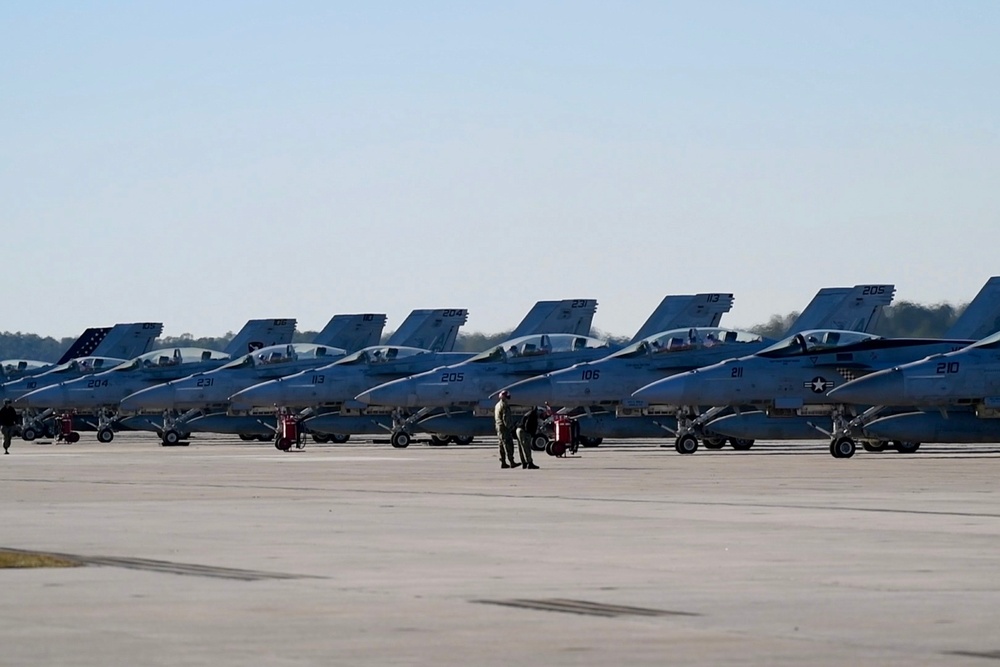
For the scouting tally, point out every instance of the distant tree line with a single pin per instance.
(898, 320)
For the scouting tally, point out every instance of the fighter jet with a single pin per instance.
(326, 396)
(100, 393)
(957, 396)
(773, 380)
(205, 396)
(466, 388)
(790, 378)
(598, 394)
(104, 348)
(122, 341)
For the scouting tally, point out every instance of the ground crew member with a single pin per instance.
(526, 431)
(501, 415)
(8, 421)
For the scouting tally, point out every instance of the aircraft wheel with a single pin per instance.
(400, 439)
(321, 438)
(29, 434)
(73, 436)
(340, 438)
(171, 438)
(540, 442)
(714, 442)
(105, 435)
(741, 444)
(686, 444)
(905, 447)
(875, 446)
(842, 448)
(440, 440)
(247, 438)
(462, 439)
(590, 442)
(553, 448)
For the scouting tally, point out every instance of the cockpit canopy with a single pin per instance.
(695, 338)
(815, 341)
(21, 365)
(172, 357)
(85, 365)
(536, 345)
(378, 354)
(282, 354)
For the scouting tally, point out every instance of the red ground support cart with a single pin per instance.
(289, 433)
(66, 432)
(564, 436)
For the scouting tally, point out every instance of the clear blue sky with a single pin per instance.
(202, 163)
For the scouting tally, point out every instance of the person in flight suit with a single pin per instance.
(502, 418)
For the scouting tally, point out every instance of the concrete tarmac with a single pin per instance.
(228, 553)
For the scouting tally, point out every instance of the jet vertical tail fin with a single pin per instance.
(855, 308)
(85, 345)
(127, 341)
(432, 329)
(982, 316)
(352, 332)
(572, 316)
(679, 311)
(256, 334)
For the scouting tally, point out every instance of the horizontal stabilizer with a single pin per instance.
(256, 334)
(352, 332)
(432, 329)
(572, 316)
(681, 311)
(982, 316)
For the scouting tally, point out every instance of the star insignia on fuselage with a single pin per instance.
(819, 385)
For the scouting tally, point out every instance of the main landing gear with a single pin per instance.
(687, 443)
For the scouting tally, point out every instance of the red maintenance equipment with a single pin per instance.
(289, 432)
(66, 432)
(564, 436)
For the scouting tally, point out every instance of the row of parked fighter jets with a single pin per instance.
(682, 375)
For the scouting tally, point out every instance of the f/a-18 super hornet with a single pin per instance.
(786, 385)
(205, 397)
(461, 393)
(952, 397)
(325, 397)
(122, 341)
(100, 393)
(598, 394)
(207, 393)
(98, 350)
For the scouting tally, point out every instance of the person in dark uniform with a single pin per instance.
(8, 422)
(526, 431)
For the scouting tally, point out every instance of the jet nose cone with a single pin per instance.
(536, 391)
(159, 397)
(53, 396)
(882, 388)
(262, 395)
(669, 391)
(394, 394)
